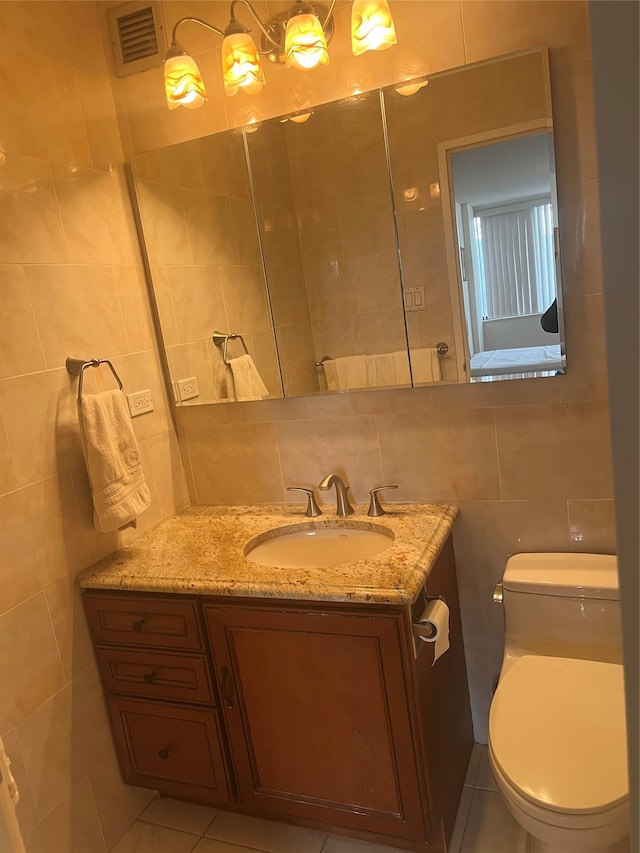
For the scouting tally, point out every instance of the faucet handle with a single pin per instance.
(313, 509)
(375, 509)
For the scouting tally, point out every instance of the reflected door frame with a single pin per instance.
(445, 150)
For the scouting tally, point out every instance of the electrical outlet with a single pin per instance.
(188, 388)
(140, 402)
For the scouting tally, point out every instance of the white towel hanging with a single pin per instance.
(119, 489)
(246, 381)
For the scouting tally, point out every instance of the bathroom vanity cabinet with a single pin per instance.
(326, 714)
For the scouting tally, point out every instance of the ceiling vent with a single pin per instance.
(137, 37)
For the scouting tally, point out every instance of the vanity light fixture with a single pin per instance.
(241, 66)
(183, 83)
(300, 118)
(297, 38)
(410, 88)
(371, 26)
(297, 118)
(305, 44)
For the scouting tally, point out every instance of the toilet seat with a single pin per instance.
(557, 737)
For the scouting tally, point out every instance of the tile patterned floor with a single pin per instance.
(168, 826)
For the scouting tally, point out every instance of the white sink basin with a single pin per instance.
(307, 547)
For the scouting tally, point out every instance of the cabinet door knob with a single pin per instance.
(164, 753)
(225, 693)
(137, 624)
(149, 677)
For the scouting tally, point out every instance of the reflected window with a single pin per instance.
(516, 267)
(506, 216)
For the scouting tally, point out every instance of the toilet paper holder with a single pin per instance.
(422, 629)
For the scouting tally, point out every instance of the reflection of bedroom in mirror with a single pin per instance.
(505, 224)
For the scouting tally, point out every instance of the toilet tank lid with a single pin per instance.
(577, 575)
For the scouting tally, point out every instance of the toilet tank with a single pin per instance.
(564, 605)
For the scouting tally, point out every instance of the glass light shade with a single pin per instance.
(241, 66)
(183, 83)
(305, 45)
(371, 26)
(409, 88)
(300, 118)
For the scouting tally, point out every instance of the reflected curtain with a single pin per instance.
(518, 270)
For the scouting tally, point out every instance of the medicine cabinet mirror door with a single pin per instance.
(473, 174)
(198, 229)
(325, 214)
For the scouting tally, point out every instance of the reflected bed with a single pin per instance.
(518, 360)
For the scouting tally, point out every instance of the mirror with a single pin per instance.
(204, 257)
(357, 245)
(327, 227)
(471, 160)
(505, 221)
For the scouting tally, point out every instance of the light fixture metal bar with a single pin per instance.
(194, 21)
(329, 14)
(265, 32)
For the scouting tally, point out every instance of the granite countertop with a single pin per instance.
(201, 551)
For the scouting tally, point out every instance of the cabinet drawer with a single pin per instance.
(174, 749)
(155, 675)
(143, 621)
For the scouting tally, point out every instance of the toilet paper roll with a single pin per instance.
(433, 626)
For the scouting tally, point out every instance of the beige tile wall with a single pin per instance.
(528, 461)
(70, 282)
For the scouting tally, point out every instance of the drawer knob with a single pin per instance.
(164, 753)
(137, 624)
(149, 677)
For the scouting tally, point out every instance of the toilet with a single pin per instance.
(557, 735)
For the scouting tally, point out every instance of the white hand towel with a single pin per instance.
(247, 382)
(352, 371)
(331, 374)
(425, 365)
(381, 370)
(120, 492)
(402, 367)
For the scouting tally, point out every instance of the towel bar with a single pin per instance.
(77, 366)
(219, 338)
(441, 348)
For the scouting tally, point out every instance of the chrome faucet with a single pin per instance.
(343, 507)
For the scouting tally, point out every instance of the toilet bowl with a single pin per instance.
(557, 734)
(557, 748)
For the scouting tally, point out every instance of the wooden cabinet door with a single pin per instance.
(318, 716)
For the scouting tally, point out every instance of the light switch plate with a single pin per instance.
(414, 298)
